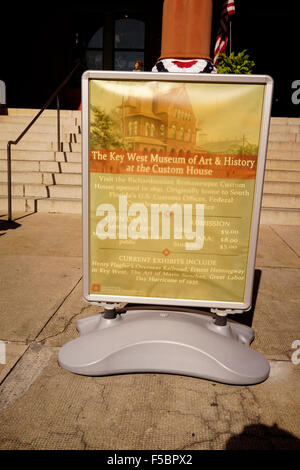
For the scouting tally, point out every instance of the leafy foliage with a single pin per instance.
(103, 131)
(245, 149)
(240, 63)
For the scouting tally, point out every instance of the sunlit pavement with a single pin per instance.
(43, 406)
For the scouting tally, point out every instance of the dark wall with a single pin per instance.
(35, 54)
(38, 44)
(269, 30)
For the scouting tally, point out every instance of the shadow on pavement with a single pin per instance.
(8, 225)
(246, 318)
(262, 437)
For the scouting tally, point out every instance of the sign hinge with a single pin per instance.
(223, 312)
(111, 309)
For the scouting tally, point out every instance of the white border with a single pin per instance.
(263, 142)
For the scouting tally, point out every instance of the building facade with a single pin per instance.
(41, 44)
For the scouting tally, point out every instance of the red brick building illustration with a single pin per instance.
(165, 122)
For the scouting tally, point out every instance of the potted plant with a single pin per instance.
(239, 63)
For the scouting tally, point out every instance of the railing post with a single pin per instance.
(58, 124)
(9, 180)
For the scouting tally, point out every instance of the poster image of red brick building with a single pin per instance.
(164, 122)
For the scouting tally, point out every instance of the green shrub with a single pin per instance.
(239, 63)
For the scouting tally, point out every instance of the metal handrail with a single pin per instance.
(15, 142)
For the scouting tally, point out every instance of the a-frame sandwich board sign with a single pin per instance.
(173, 170)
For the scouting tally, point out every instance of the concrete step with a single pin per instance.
(50, 167)
(42, 155)
(73, 179)
(284, 146)
(70, 147)
(21, 119)
(47, 144)
(36, 190)
(70, 167)
(24, 121)
(283, 136)
(22, 177)
(65, 191)
(284, 129)
(51, 205)
(28, 145)
(42, 166)
(74, 157)
(283, 165)
(46, 112)
(65, 119)
(20, 165)
(282, 175)
(17, 189)
(60, 167)
(35, 137)
(283, 155)
(38, 168)
(276, 216)
(290, 201)
(280, 187)
(49, 179)
(285, 121)
(76, 138)
(60, 205)
(17, 129)
(19, 204)
(29, 155)
(53, 191)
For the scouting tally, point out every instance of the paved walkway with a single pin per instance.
(43, 406)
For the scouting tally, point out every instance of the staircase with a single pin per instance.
(43, 178)
(281, 194)
(47, 180)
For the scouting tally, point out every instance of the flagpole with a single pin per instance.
(224, 34)
(230, 35)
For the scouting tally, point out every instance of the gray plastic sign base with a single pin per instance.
(159, 341)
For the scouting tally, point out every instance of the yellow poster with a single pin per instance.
(172, 171)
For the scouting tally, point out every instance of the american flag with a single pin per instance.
(228, 9)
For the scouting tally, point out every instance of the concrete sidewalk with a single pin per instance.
(43, 406)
